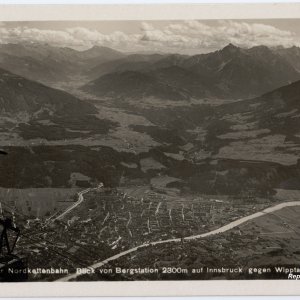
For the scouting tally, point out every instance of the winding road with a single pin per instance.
(74, 205)
(193, 237)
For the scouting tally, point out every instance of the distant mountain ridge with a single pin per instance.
(49, 64)
(231, 72)
(133, 84)
(292, 55)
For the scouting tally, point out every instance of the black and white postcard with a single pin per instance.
(160, 148)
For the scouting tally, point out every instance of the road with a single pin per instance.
(193, 237)
(79, 201)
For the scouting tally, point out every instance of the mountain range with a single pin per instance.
(18, 94)
(192, 141)
(48, 64)
(231, 72)
(33, 110)
(292, 55)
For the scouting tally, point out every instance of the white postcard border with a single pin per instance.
(59, 12)
(152, 288)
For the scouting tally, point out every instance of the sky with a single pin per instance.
(186, 37)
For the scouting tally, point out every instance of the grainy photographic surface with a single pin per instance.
(149, 150)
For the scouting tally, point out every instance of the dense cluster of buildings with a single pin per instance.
(109, 221)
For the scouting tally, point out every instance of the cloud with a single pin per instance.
(248, 35)
(70, 37)
(185, 36)
(146, 26)
(55, 37)
(198, 35)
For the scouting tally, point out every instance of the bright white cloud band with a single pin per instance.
(184, 36)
